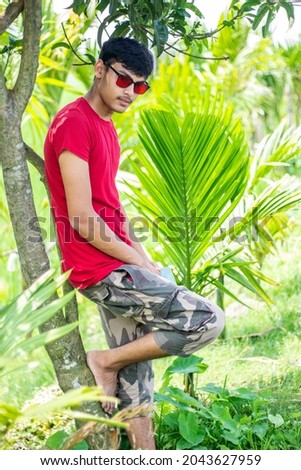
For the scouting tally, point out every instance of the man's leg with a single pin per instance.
(141, 433)
(185, 322)
(106, 364)
(135, 382)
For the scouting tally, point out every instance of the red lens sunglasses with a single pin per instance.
(123, 81)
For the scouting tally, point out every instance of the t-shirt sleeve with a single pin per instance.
(71, 132)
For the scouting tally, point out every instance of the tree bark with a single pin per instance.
(67, 354)
(11, 13)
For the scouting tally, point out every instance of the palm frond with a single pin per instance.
(25, 313)
(276, 151)
(192, 179)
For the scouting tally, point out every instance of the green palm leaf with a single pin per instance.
(276, 151)
(27, 312)
(192, 179)
(278, 197)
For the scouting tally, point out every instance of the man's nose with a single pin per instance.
(129, 90)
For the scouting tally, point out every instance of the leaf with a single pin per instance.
(165, 398)
(31, 344)
(185, 398)
(26, 319)
(91, 58)
(186, 365)
(192, 171)
(8, 414)
(196, 11)
(232, 436)
(215, 390)
(244, 393)
(114, 4)
(99, 419)
(182, 444)
(181, 400)
(69, 399)
(277, 420)
(221, 413)
(102, 5)
(270, 18)
(248, 6)
(189, 428)
(79, 6)
(160, 33)
(171, 420)
(231, 294)
(60, 44)
(121, 30)
(260, 429)
(289, 8)
(56, 442)
(107, 21)
(262, 11)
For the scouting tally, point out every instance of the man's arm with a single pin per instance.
(136, 243)
(84, 219)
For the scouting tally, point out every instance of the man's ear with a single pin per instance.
(99, 68)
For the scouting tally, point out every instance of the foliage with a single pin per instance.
(195, 197)
(55, 64)
(179, 175)
(55, 441)
(263, 91)
(163, 24)
(18, 322)
(20, 318)
(263, 11)
(10, 415)
(217, 419)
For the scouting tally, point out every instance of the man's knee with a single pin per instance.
(218, 319)
(187, 341)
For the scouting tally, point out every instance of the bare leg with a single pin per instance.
(106, 364)
(104, 377)
(141, 434)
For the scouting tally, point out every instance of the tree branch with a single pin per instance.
(38, 162)
(30, 53)
(73, 50)
(12, 11)
(170, 46)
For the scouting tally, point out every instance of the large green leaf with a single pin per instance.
(192, 178)
(189, 428)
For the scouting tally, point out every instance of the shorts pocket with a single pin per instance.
(123, 303)
(188, 313)
(117, 300)
(96, 293)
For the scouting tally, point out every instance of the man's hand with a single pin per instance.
(151, 266)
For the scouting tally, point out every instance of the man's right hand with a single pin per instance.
(151, 266)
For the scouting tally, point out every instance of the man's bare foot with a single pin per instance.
(104, 376)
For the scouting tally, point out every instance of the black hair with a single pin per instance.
(132, 54)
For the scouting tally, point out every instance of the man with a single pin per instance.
(108, 264)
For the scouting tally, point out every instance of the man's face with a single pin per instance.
(117, 98)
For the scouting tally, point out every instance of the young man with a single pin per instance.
(108, 264)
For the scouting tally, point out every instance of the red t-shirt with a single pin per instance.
(79, 129)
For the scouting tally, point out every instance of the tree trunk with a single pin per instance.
(67, 354)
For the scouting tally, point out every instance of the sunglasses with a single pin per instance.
(123, 81)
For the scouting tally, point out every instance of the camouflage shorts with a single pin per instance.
(134, 301)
